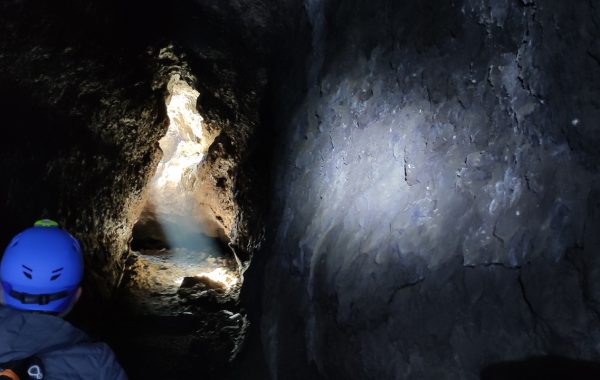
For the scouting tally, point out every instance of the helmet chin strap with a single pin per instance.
(37, 299)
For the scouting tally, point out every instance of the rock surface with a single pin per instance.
(82, 121)
(171, 312)
(436, 205)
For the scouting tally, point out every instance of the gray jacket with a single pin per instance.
(66, 352)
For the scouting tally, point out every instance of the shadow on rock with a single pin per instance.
(546, 368)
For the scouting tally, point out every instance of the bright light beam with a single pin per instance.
(183, 146)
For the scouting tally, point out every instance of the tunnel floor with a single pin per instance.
(170, 328)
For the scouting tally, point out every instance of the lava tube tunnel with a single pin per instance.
(300, 189)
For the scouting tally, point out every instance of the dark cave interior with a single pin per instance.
(348, 189)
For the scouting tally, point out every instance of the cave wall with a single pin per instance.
(233, 52)
(82, 113)
(436, 191)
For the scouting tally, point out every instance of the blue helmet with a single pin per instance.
(41, 269)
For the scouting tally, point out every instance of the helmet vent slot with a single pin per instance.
(56, 274)
(27, 271)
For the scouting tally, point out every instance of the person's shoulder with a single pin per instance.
(5, 310)
(43, 330)
(94, 359)
(48, 320)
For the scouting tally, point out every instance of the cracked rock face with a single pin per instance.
(437, 194)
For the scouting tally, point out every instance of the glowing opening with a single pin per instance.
(173, 212)
(183, 145)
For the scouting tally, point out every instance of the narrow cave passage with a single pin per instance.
(117, 140)
(180, 288)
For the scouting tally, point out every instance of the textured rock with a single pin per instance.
(436, 189)
(82, 126)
